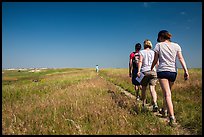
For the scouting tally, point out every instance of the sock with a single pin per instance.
(172, 117)
(155, 104)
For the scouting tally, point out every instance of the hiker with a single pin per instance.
(97, 68)
(150, 77)
(133, 68)
(167, 52)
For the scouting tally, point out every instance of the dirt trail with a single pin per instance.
(179, 130)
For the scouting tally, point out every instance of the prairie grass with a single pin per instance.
(78, 101)
(186, 95)
(187, 99)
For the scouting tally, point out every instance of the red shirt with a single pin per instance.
(132, 55)
(135, 58)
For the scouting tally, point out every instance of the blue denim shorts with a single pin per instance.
(171, 76)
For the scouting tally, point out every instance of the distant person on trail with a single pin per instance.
(97, 68)
(167, 52)
(150, 77)
(133, 68)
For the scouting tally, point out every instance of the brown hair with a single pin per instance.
(167, 36)
(164, 35)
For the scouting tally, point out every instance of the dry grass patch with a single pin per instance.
(80, 108)
(75, 103)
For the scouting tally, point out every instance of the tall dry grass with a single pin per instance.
(74, 102)
(186, 95)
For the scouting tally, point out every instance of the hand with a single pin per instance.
(130, 74)
(186, 76)
(138, 74)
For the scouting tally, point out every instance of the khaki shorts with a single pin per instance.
(149, 78)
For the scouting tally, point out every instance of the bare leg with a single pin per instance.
(171, 84)
(164, 103)
(137, 90)
(153, 93)
(167, 95)
(164, 99)
(144, 95)
(140, 87)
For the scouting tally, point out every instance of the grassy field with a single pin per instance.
(78, 101)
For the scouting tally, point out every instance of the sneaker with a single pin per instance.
(172, 122)
(155, 108)
(138, 98)
(163, 112)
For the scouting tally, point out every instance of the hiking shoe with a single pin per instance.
(172, 122)
(155, 108)
(163, 112)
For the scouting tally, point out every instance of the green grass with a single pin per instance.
(77, 101)
(186, 95)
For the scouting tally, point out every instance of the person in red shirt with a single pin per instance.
(133, 68)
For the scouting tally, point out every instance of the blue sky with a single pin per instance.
(83, 34)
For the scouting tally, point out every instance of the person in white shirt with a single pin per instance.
(167, 52)
(150, 77)
(97, 68)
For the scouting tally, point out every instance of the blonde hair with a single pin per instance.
(147, 44)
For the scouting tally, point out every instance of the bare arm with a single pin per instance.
(130, 68)
(157, 65)
(155, 61)
(139, 65)
(183, 63)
